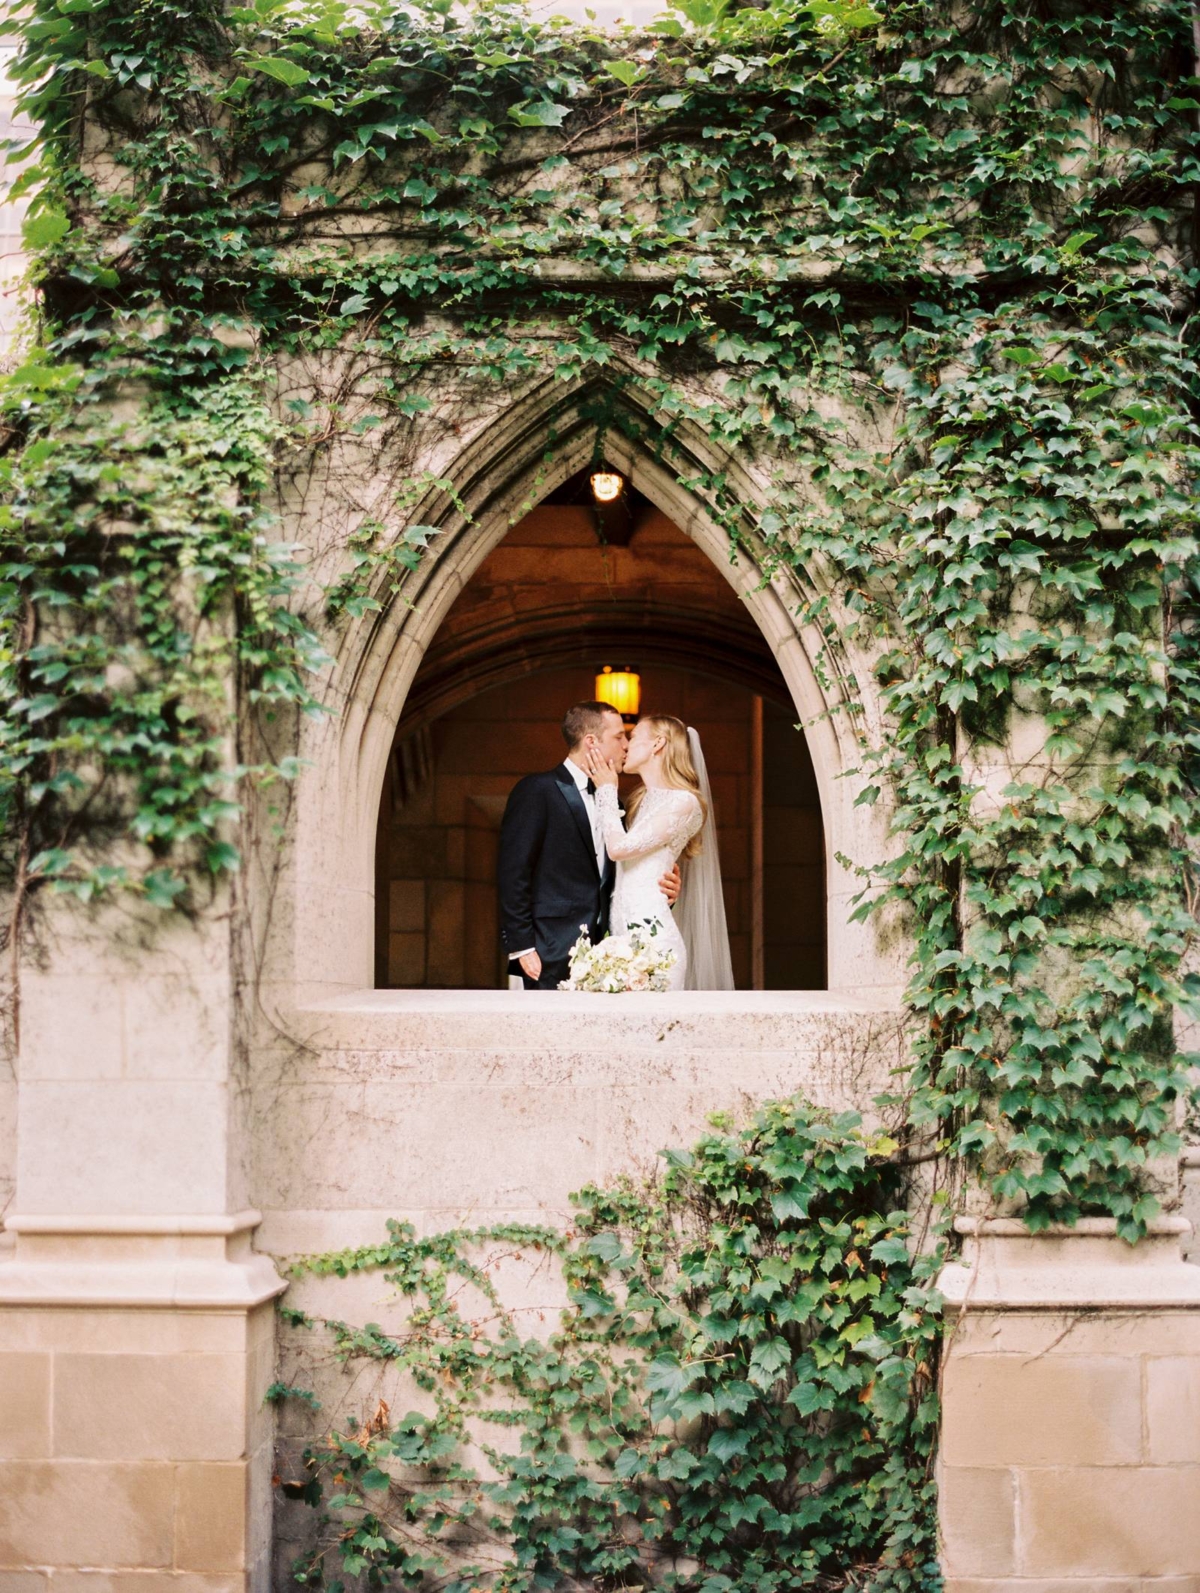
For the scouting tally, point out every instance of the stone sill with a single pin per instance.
(1085, 1228)
(492, 1020)
(681, 1003)
(1086, 1267)
(184, 1262)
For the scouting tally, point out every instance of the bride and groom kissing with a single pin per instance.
(570, 860)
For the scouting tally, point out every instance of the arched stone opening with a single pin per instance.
(524, 639)
(546, 436)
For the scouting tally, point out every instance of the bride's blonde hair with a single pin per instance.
(679, 772)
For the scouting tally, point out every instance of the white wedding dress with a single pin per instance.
(666, 820)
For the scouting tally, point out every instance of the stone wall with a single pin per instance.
(479, 1107)
(1070, 1446)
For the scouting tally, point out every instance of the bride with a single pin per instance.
(669, 820)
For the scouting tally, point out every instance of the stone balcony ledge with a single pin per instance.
(502, 1019)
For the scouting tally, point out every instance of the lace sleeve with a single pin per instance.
(672, 822)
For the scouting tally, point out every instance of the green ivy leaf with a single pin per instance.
(627, 72)
(544, 113)
(281, 69)
(44, 228)
(222, 856)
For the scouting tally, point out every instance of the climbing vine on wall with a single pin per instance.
(924, 272)
(971, 221)
(738, 1397)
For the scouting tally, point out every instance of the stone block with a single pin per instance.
(70, 1028)
(456, 851)
(977, 1510)
(24, 1405)
(447, 919)
(502, 746)
(141, 1582)
(8, 1134)
(987, 1584)
(86, 1513)
(24, 1581)
(260, 1502)
(418, 851)
(1010, 1410)
(131, 1332)
(210, 1517)
(1039, 1585)
(482, 847)
(152, 1407)
(176, 1027)
(1035, 1333)
(122, 1146)
(1173, 1410)
(1110, 1521)
(482, 950)
(461, 1147)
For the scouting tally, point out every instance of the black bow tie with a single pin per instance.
(590, 787)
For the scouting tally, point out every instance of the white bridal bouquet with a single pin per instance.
(621, 962)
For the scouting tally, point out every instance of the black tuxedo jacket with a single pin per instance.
(547, 875)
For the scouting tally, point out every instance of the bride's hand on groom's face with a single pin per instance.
(601, 771)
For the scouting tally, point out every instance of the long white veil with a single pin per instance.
(700, 913)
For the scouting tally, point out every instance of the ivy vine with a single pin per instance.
(968, 231)
(739, 1397)
(980, 218)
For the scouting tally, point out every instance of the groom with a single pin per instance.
(554, 873)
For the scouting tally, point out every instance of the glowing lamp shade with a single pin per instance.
(621, 688)
(606, 486)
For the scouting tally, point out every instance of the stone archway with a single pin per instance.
(526, 636)
(545, 436)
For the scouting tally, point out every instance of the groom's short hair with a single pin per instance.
(585, 719)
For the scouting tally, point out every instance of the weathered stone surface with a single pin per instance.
(1011, 1410)
(1093, 1521)
(1070, 1378)
(24, 1405)
(496, 1103)
(86, 1513)
(977, 1511)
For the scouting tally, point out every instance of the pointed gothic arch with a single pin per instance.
(545, 436)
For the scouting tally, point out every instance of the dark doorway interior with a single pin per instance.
(548, 607)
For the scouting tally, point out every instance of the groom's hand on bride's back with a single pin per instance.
(671, 884)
